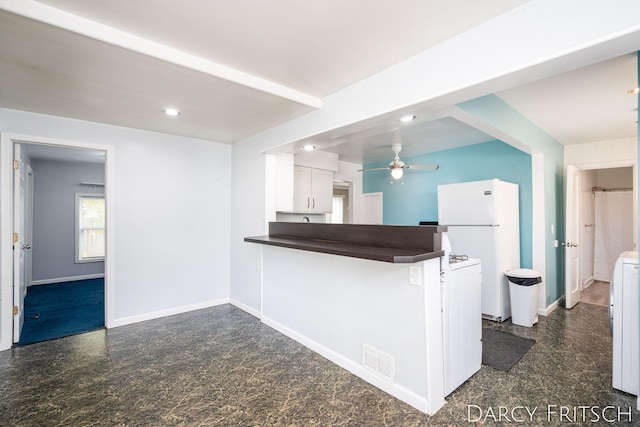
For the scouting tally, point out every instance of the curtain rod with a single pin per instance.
(594, 189)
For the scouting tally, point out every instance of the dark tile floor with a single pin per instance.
(568, 367)
(222, 367)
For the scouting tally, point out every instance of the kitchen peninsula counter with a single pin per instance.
(386, 243)
(367, 297)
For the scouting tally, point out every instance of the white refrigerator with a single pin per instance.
(483, 221)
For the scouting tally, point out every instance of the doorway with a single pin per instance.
(341, 211)
(606, 226)
(65, 285)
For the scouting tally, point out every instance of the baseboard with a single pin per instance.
(66, 279)
(244, 307)
(407, 396)
(587, 282)
(164, 313)
(551, 307)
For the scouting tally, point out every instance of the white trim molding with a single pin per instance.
(246, 308)
(6, 252)
(66, 279)
(547, 311)
(168, 312)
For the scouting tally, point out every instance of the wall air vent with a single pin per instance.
(378, 362)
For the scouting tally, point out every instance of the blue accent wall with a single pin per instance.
(496, 113)
(415, 198)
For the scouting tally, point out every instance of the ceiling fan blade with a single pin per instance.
(422, 167)
(374, 169)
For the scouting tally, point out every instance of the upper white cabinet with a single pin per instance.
(312, 190)
(306, 187)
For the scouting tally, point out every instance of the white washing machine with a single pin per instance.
(462, 317)
(623, 321)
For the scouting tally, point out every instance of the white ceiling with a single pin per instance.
(235, 68)
(585, 105)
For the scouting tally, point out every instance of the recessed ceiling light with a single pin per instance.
(407, 119)
(634, 91)
(171, 112)
(309, 147)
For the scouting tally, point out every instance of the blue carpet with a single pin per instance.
(62, 309)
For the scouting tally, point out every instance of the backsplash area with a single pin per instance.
(300, 217)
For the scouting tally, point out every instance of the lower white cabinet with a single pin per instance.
(312, 190)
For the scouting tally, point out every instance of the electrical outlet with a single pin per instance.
(414, 275)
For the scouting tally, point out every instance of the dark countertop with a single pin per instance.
(394, 244)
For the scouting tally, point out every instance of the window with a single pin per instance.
(90, 227)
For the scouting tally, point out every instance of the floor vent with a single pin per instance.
(378, 362)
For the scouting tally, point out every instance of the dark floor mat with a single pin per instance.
(501, 350)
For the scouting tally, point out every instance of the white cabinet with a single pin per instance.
(312, 190)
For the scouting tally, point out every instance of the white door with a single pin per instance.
(372, 204)
(571, 237)
(19, 244)
(28, 231)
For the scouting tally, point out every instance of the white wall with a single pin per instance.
(615, 178)
(602, 154)
(336, 310)
(250, 218)
(170, 210)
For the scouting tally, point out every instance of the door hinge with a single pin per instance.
(16, 164)
(16, 237)
(15, 310)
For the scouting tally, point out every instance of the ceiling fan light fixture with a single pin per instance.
(408, 118)
(397, 173)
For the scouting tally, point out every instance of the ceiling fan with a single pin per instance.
(397, 166)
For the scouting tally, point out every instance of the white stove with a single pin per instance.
(461, 316)
(452, 261)
(461, 261)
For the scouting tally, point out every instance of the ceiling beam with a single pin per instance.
(61, 19)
